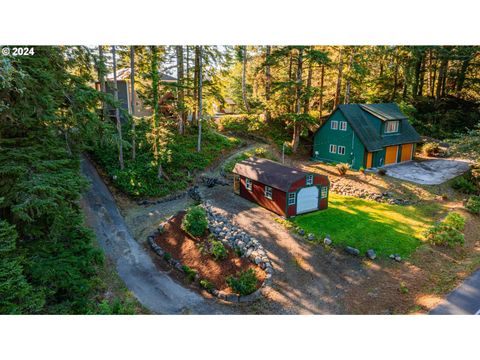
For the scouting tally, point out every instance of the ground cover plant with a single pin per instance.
(447, 232)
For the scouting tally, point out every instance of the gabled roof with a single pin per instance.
(356, 115)
(269, 172)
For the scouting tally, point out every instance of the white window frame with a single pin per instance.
(268, 191)
(292, 198)
(395, 124)
(343, 125)
(340, 149)
(324, 192)
(309, 180)
(334, 147)
(334, 125)
(248, 184)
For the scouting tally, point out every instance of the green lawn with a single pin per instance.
(364, 224)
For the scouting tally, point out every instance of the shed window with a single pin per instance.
(333, 149)
(391, 127)
(291, 198)
(248, 184)
(309, 179)
(341, 150)
(268, 192)
(324, 192)
(343, 125)
(334, 125)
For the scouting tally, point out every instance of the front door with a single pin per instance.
(307, 199)
(407, 151)
(391, 153)
(236, 184)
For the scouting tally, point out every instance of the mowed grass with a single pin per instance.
(365, 224)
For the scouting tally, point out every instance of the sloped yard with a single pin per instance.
(364, 224)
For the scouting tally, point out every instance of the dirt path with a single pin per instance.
(153, 287)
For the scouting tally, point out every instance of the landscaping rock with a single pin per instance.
(311, 237)
(352, 251)
(301, 232)
(398, 258)
(371, 254)
(327, 241)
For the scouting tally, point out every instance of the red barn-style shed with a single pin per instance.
(282, 189)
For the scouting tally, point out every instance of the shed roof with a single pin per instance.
(366, 131)
(269, 172)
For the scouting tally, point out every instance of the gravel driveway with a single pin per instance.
(307, 279)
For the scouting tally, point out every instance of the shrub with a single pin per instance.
(195, 221)
(431, 149)
(382, 172)
(362, 170)
(343, 168)
(473, 204)
(189, 272)
(455, 220)
(207, 285)
(167, 256)
(218, 251)
(244, 283)
(445, 196)
(243, 123)
(463, 184)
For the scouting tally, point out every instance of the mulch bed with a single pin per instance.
(186, 249)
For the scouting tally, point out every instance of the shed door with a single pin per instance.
(407, 151)
(391, 155)
(307, 199)
(369, 160)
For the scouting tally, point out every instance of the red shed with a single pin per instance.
(282, 189)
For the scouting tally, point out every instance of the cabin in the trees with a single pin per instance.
(282, 189)
(365, 136)
(124, 94)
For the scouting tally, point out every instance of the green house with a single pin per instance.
(365, 135)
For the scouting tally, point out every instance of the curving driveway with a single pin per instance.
(153, 288)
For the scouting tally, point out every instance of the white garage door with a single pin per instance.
(307, 199)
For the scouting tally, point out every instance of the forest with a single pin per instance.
(62, 103)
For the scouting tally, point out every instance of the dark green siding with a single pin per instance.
(325, 136)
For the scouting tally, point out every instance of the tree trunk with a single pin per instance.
(101, 79)
(297, 128)
(306, 101)
(244, 79)
(195, 85)
(418, 70)
(156, 114)
(440, 91)
(422, 76)
(320, 102)
(339, 80)
(200, 88)
(180, 91)
(462, 74)
(444, 78)
(290, 79)
(349, 82)
(117, 112)
(395, 82)
(187, 70)
(268, 80)
(132, 98)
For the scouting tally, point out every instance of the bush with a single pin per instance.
(431, 149)
(473, 204)
(244, 283)
(448, 232)
(362, 170)
(189, 272)
(343, 168)
(207, 285)
(195, 221)
(244, 123)
(464, 185)
(455, 220)
(218, 251)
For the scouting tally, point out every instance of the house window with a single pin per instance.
(391, 127)
(309, 179)
(333, 149)
(268, 192)
(291, 198)
(248, 184)
(343, 125)
(334, 125)
(324, 192)
(341, 150)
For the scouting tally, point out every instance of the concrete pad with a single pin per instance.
(429, 172)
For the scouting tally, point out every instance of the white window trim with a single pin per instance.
(334, 149)
(292, 199)
(324, 192)
(266, 190)
(343, 126)
(396, 126)
(309, 180)
(248, 184)
(334, 122)
(338, 150)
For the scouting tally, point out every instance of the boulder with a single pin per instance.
(301, 231)
(371, 254)
(327, 241)
(352, 251)
(311, 236)
(397, 258)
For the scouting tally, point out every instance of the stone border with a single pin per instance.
(232, 237)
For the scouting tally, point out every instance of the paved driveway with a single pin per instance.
(428, 172)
